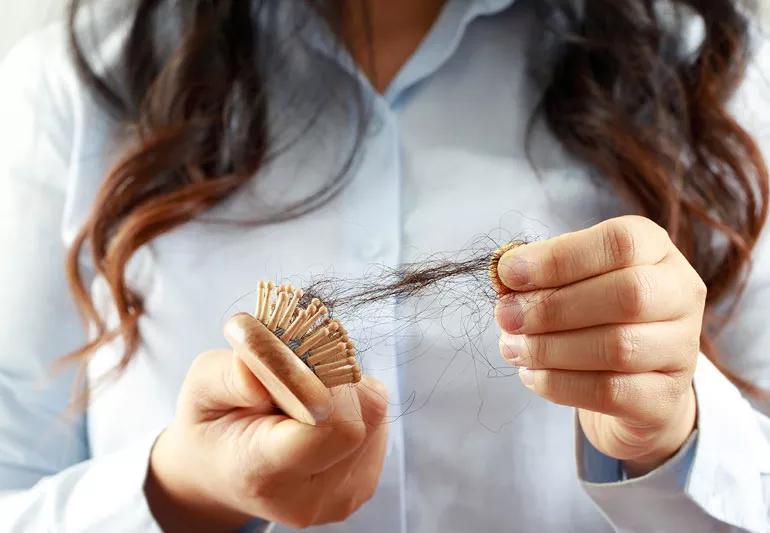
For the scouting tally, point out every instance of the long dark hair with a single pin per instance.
(621, 92)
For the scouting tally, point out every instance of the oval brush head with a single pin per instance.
(494, 260)
(305, 327)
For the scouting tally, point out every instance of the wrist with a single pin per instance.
(670, 440)
(178, 502)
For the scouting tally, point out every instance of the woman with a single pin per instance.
(354, 133)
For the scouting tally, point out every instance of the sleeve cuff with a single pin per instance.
(715, 477)
(653, 502)
(595, 468)
(257, 525)
(118, 478)
(105, 493)
(733, 455)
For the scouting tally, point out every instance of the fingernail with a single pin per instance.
(527, 377)
(509, 313)
(512, 348)
(513, 271)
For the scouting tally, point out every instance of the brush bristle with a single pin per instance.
(322, 343)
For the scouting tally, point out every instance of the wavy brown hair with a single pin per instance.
(622, 91)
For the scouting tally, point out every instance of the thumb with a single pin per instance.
(373, 398)
(289, 446)
(218, 381)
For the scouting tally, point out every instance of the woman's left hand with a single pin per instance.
(608, 320)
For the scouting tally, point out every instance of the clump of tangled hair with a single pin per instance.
(621, 92)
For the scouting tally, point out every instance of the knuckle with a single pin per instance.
(350, 434)
(257, 485)
(677, 383)
(634, 292)
(700, 290)
(560, 264)
(537, 349)
(258, 481)
(553, 266)
(619, 242)
(196, 390)
(312, 514)
(340, 510)
(667, 396)
(646, 225)
(612, 393)
(555, 386)
(308, 517)
(374, 403)
(351, 505)
(257, 474)
(692, 347)
(622, 348)
(369, 489)
(546, 386)
(548, 311)
(377, 410)
(201, 364)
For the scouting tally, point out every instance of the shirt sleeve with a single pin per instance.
(47, 480)
(720, 479)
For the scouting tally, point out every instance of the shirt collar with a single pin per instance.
(442, 41)
(439, 44)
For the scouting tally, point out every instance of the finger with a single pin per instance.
(350, 483)
(646, 398)
(630, 295)
(613, 244)
(632, 348)
(366, 462)
(219, 381)
(337, 492)
(288, 446)
(373, 398)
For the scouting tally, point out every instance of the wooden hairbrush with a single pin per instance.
(494, 261)
(295, 349)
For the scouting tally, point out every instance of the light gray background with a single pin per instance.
(22, 16)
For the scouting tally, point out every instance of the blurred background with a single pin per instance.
(21, 17)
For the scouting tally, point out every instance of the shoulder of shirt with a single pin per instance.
(40, 64)
(40, 85)
(45, 107)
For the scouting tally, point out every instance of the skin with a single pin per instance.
(608, 320)
(625, 360)
(228, 456)
(382, 35)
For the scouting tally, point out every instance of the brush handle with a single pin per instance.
(295, 389)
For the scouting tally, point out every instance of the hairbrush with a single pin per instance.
(295, 349)
(494, 261)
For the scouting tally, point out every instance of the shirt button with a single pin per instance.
(371, 249)
(376, 123)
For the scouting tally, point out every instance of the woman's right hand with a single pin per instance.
(229, 456)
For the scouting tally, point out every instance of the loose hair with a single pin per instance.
(621, 92)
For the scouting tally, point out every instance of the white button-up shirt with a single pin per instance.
(442, 162)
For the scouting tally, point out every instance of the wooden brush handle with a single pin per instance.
(295, 389)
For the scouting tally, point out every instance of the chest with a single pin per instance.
(439, 170)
